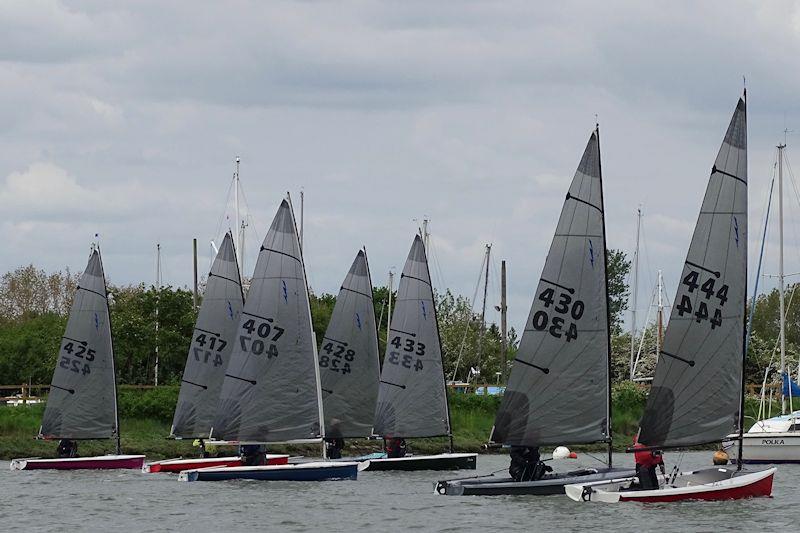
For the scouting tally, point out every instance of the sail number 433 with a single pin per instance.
(406, 353)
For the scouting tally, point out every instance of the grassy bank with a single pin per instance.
(145, 417)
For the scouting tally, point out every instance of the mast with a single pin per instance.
(158, 296)
(608, 307)
(302, 209)
(660, 316)
(194, 261)
(503, 321)
(740, 421)
(389, 311)
(780, 273)
(483, 311)
(117, 445)
(634, 296)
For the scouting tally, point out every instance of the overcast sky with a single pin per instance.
(126, 120)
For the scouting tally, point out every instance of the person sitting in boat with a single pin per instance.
(67, 448)
(526, 464)
(395, 447)
(253, 454)
(333, 448)
(646, 462)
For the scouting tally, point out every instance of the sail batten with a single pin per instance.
(213, 341)
(557, 391)
(412, 400)
(348, 358)
(82, 401)
(695, 395)
(271, 390)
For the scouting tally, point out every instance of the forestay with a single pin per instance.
(348, 359)
(557, 391)
(696, 390)
(412, 400)
(83, 395)
(213, 339)
(271, 389)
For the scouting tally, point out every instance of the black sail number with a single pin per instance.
(78, 357)
(336, 357)
(711, 296)
(261, 336)
(406, 353)
(561, 322)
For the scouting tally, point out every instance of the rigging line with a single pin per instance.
(468, 322)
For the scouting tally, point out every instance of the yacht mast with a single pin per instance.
(780, 272)
(660, 330)
(634, 295)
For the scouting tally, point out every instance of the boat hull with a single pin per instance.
(711, 484)
(179, 465)
(766, 448)
(549, 485)
(322, 471)
(102, 462)
(442, 461)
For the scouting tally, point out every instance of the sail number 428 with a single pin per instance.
(333, 356)
(567, 309)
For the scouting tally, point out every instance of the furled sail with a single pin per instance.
(82, 403)
(412, 401)
(557, 391)
(348, 359)
(271, 389)
(213, 339)
(696, 390)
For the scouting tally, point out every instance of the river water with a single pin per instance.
(387, 501)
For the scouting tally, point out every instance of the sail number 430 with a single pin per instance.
(260, 338)
(557, 325)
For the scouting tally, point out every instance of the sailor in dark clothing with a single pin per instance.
(67, 448)
(395, 447)
(525, 464)
(333, 448)
(646, 463)
(253, 454)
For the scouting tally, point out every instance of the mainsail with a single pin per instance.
(82, 403)
(271, 390)
(412, 401)
(696, 390)
(213, 339)
(348, 359)
(557, 392)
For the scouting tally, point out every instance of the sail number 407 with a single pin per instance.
(567, 309)
(261, 337)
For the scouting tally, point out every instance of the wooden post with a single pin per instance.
(503, 321)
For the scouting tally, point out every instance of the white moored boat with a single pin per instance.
(772, 441)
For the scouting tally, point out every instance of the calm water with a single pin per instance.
(131, 501)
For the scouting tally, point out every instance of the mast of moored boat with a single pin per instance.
(635, 291)
(781, 292)
(608, 307)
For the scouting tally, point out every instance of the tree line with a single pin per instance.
(34, 306)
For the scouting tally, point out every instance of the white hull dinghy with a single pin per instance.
(707, 484)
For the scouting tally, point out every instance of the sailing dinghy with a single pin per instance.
(412, 397)
(349, 363)
(82, 404)
(697, 395)
(212, 343)
(559, 389)
(271, 391)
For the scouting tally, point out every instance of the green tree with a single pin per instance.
(618, 268)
